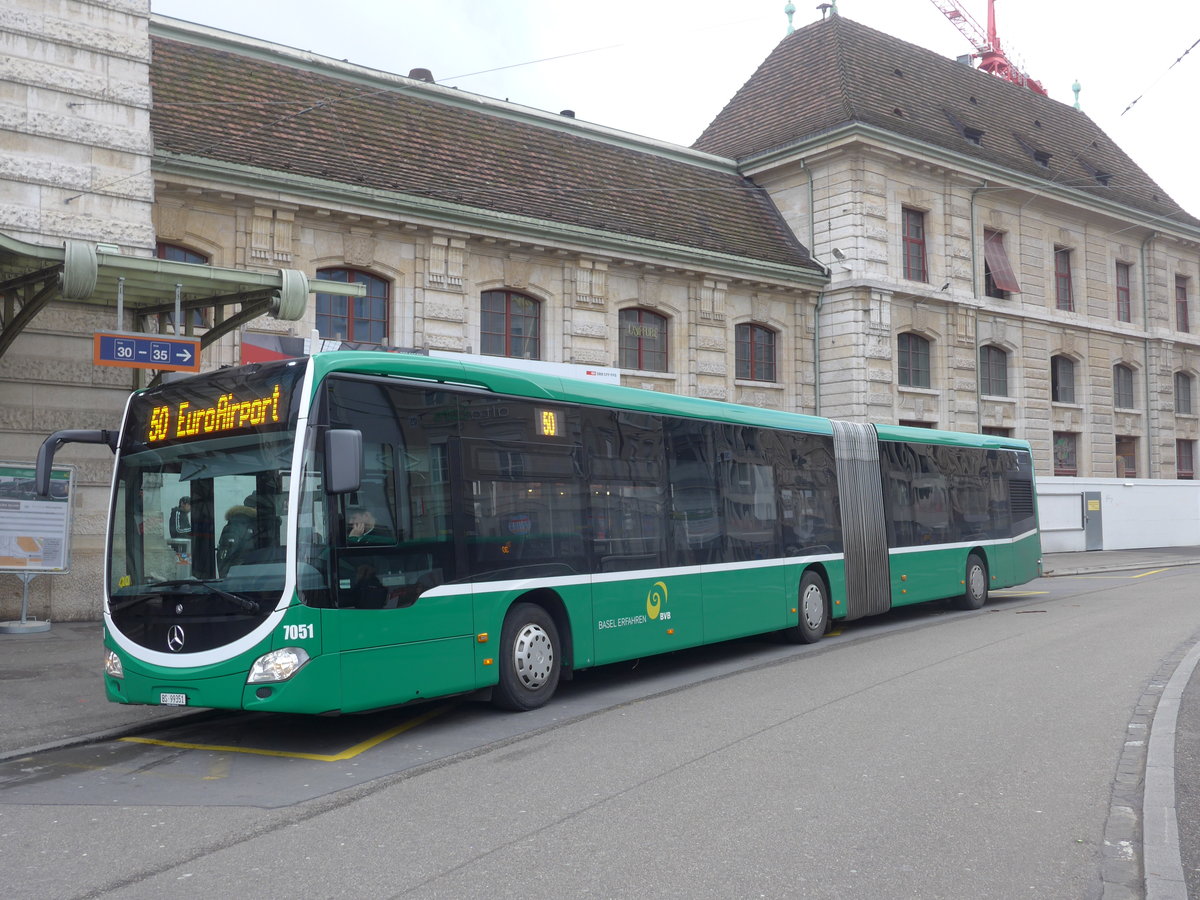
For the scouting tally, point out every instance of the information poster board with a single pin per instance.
(35, 532)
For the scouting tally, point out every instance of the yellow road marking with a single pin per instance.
(348, 753)
(1117, 577)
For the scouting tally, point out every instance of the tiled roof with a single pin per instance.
(271, 113)
(836, 72)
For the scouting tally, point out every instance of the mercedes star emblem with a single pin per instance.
(175, 638)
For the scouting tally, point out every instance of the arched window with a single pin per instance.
(176, 253)
(912, 353)
(643, 340)
(362, 320)
(1123, 387)
(1183, 393)
(1062, 379)
(510, 325)
(755, 352)
(993, 371)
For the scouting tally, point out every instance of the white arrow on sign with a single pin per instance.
(185, 354)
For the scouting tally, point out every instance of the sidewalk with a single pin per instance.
(52, 692)
(1116, 560)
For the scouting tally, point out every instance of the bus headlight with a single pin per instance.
(112, 665)
(278, 665)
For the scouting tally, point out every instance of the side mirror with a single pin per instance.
(343, 460)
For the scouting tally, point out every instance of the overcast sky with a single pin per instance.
(665, 68)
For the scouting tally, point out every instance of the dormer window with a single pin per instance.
(969, 133)
(1041, 157)
(1100, 175)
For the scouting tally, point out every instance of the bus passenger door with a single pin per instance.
(403, 633)
(644, 601)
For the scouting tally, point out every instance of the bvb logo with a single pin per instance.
(655, 599)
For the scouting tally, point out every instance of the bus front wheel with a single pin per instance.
(814, 611)
(975, 584)
(530, 659)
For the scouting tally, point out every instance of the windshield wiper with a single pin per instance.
(248, 605)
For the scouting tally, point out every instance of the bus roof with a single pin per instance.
(537, 386)
(515, 382)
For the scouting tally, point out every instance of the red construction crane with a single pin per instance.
(987, 46)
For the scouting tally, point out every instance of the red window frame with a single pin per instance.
(1066, 453)
(755, 352)
(1126, 448)
(510, 324)
(1063, 296)
(1182, 322)
(915, 261)
(1124, 307)
(639, 349)
(999, 278)
(365, 318)
(1185, 460)
(1123, 387)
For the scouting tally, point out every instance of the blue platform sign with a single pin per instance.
(146, 351)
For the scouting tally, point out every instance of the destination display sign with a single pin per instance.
(229, 413)
(259, 397)
(144, 351)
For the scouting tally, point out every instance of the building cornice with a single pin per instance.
(964, 166)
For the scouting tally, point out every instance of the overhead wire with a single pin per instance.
(1160, 77)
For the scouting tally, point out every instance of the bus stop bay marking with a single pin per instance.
(1116, 577)
(348, 753)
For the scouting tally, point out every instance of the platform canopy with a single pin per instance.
(82, 272)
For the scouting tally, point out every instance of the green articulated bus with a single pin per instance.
(358, 530)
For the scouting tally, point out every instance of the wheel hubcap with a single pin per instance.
(812, 605)
(533, 654)
(977, 581)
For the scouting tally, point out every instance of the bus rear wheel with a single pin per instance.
(530, 659)
(814, 611)
(975, 584)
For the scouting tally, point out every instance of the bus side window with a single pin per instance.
(368, 514)
(626, 505)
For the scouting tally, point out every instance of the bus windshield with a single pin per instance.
(198, 524)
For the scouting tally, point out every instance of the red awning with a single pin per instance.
(1001, 269)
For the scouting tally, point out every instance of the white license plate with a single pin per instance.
(173, 699)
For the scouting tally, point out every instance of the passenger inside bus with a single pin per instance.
(363, 528)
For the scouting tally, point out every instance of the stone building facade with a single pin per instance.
(75, 163)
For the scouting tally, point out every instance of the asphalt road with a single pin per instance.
(928, 754)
